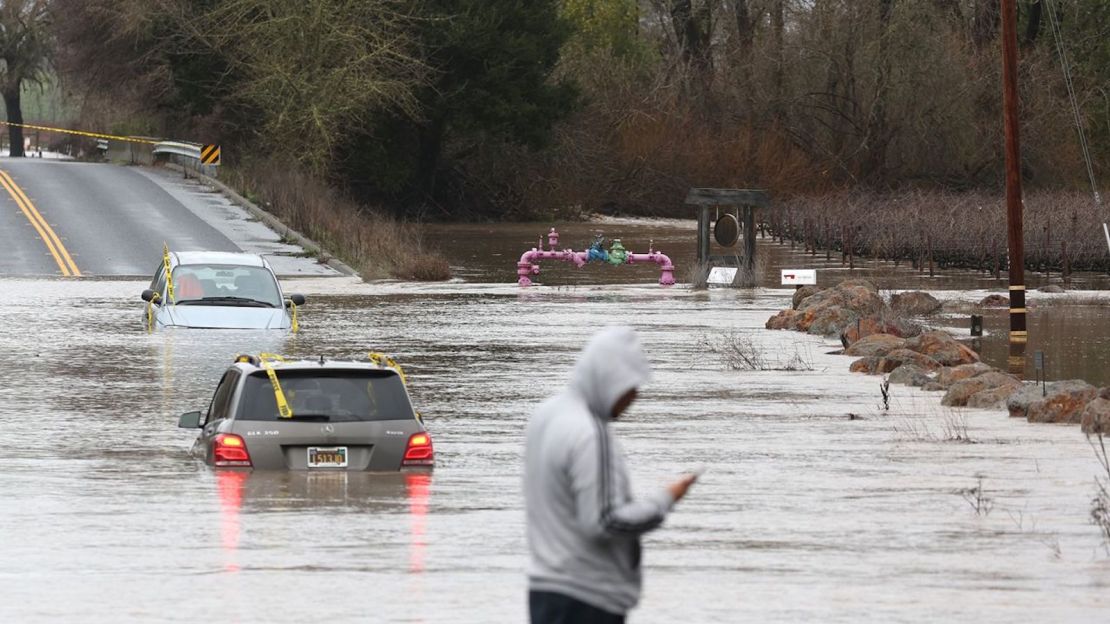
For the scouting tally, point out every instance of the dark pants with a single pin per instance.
(551, 608)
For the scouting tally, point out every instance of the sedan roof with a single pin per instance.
(219, 257)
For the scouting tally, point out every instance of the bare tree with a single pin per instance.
(25, 47)
(313, 69)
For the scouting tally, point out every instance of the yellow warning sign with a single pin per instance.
(210, 155)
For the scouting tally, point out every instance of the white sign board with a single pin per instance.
(799, 277)
(721, 275)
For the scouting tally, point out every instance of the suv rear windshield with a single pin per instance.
(331, 396)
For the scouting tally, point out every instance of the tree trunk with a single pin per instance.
(745, 30)
(15, 116)
(778, 26)
(985, 27)
(431, 148)
(1033, 27)
(692, 26)
(876, 139)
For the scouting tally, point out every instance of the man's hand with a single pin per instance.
(678, 488)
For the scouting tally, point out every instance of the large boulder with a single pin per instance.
(951, 374)
(864, 327)
(827, 321)
(865, 365)
(828, 312)
(898, 357)
(786, 319)
(1096, 416)
(1018, 403)
(992, 398)
(959, 393)
(803, 292)
(875, 344)
(1063, 403)
(942, 348)
(995, 301)
(857, 298)
(914, 303)
(910, 374)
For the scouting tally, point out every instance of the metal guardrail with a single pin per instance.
(185, 154)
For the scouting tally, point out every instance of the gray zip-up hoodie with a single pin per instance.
(583, 525)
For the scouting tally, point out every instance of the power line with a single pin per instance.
(1058, 37)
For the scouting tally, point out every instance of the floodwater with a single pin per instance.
(1074, 338)
(817, 504)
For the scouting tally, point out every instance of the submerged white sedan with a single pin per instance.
(222, 290)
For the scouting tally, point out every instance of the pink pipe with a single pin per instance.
(527, 265)
(666, 277)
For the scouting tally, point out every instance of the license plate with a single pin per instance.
(327, 457)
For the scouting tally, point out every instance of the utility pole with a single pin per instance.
(1018, 333)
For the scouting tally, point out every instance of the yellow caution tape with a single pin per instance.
(384, 360)
(95, 135)
(284, 410)
(293, 309)
(150, 312)
(169, 274)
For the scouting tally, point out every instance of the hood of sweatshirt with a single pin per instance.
(611, 364)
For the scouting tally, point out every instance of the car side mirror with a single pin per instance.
(151, 296)
(189, 420)
(297, 299)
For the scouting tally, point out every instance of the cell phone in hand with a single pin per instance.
(698, 471)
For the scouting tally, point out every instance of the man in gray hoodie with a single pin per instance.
(584, 526)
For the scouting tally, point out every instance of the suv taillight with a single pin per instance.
(230, 450)
(419, 451)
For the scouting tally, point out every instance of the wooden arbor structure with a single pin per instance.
(739, 217)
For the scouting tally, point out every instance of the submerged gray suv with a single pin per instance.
(311, 415)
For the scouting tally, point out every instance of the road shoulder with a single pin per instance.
(248, 226)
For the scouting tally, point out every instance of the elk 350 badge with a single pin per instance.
(210, 155)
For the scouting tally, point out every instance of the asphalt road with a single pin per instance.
(110, 220)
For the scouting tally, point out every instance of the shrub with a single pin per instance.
(373, 243)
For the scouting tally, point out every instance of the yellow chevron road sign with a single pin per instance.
(210, 155)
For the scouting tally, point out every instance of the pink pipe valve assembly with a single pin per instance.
(527, 266)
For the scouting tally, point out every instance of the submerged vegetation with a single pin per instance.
(946, 229)
(740, 352)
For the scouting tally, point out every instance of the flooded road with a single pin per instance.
(805, 513)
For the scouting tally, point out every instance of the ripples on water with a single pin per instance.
(803, 514)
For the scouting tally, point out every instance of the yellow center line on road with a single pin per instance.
(46, 233)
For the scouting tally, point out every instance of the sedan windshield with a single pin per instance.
(230, 285)
(327, 396)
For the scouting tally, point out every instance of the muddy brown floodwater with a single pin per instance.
(804, 514)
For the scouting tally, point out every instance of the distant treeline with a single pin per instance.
(509, 109)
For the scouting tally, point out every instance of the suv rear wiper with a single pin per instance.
(313, 417)
(228, 300)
